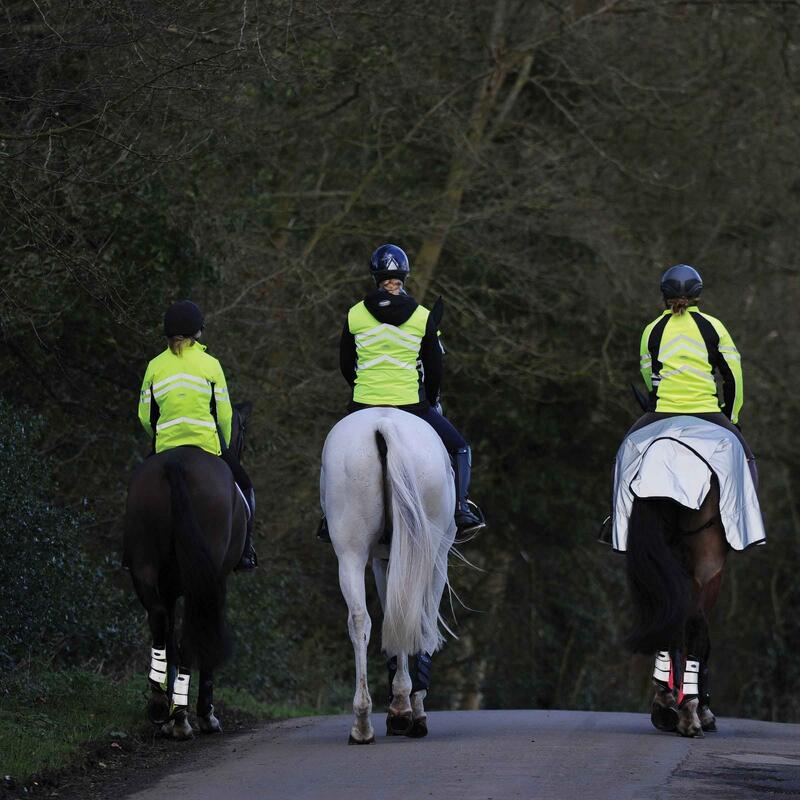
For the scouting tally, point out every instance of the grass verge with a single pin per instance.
(51, 717)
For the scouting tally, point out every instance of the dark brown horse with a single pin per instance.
(185, 524)
(675, 560)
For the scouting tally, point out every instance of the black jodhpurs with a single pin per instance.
(718, 418)
(448, 433)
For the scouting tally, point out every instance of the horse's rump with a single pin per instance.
(416, 491)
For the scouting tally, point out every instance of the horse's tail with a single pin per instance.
(659, 584)
(411, 616)
(203, 589)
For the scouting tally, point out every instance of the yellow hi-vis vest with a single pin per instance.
(182, 387)
(387, 373)
(679, 354)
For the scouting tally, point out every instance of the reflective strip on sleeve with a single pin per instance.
(189, 421)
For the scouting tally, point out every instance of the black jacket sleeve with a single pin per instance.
(430, 353)
(347, 355)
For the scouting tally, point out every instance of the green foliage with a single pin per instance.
(57, 603)
(51, 714)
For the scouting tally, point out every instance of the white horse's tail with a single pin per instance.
(411, 617)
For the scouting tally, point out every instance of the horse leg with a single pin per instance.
(708, 549)
(399, 720)
(359, 625)
(178, 726)
(206, 719)
(145, 582)
(708, 597)
(664, 708)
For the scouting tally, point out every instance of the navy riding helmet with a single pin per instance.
(681, 281)
(183, 318)
(389, 261)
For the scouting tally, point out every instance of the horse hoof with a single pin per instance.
(181, 729)
(708, 722)
(158, 709)
(209, 723)
(398, 724)
(665, 718)
(352, 740)
(418, 729)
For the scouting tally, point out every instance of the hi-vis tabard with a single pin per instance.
(182, 387)
(387, 356)
(679, 353)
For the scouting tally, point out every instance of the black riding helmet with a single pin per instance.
(183, 318)
(681, 281)
(387, 262)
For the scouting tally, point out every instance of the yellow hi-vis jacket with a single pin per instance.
(679, 354)
(387, 356)
(182, 387)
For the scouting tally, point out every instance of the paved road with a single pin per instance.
(496, 755)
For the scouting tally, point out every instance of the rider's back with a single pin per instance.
(679, 354)
(185, 387)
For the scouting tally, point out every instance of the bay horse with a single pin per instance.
(185, 523)
(385, 468)
(675, 560)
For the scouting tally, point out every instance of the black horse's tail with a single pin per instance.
(659, 584)
(203, 590)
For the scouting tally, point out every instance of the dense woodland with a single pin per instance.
(541, 163)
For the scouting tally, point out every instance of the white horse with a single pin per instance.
(415, 494)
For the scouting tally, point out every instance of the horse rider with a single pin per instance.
(184, 401)
(679, 354)
(390, 354)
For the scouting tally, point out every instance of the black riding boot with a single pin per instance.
(249, 559)
(323, 534)
(468, 515)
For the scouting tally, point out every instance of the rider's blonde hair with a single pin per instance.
(178, 343)
(678, 305)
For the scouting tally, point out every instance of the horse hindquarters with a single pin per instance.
(411, 616)
(201, 582)
(658, 583)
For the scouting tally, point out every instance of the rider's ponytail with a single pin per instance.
(678, 305)
(178, 343)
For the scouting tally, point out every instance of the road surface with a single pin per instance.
(494, 755)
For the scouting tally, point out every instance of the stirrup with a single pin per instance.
(470, 526)
(248, 561)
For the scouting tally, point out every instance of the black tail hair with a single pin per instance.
(659, 585)
(203, 590)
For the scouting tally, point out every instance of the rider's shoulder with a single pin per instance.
(717, 323)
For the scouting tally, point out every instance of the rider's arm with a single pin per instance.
(730, 367)
(145, 398)
(430, 353)
(347, 354)
(223, 403)
(645, 360)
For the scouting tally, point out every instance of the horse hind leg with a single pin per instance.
(400, 720)
(664, 708)
(207, 720)
(145, 581)
(359, 625)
